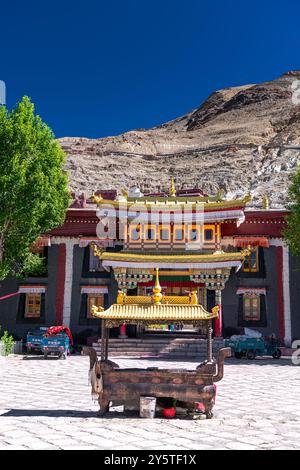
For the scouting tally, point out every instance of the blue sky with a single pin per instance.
(98, 68)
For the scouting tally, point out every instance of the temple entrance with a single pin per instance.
(173, 328)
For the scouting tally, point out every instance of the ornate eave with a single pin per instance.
(216, 257)
(171, 203)
(136, 313)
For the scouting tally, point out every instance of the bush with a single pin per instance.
(7, 344)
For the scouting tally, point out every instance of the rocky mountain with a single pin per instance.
(240, 139)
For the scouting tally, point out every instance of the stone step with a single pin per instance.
(161, 346)
(154, 345)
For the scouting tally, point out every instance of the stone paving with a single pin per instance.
(47, 405)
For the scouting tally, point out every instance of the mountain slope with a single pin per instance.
(240, 139)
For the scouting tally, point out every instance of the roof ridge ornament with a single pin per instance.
(172, 188)
(266, 202)
(97, 198)
(157, 295)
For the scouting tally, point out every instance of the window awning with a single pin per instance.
(32, 289)
(251, 290)
(42, 241)
(245, 241)
(94, 289)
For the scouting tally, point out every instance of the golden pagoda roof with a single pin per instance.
(131, 309)
(155, 313)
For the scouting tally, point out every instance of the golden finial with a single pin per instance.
(172, 188)
(216, 310)
(97, 198)
(95, 311)
(266, 202)
(193, 297)
(121, 297)
(157, 295)
(220, 195)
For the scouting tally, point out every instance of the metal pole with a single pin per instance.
(102, 340)
(209, 342)
(218, 323)
(106, 342)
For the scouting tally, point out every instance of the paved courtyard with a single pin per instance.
(48, 405)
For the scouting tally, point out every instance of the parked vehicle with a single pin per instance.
(58, 345)
(245, 346)
(34, 340)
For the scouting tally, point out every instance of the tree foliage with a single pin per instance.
(292, 234)
(34, 192)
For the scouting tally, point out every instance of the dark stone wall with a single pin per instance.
(80, 325)
(267, 277)
(295, 295)
(10, 319)
(10, 309)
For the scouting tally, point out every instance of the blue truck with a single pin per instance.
(34, 340)
(58, 345)
(250, 348)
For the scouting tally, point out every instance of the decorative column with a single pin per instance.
(123, 332)
(283, 291)
(280, 297)
(209, 342)
(218, 321)
(64, 280)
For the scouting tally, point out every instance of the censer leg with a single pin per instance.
(104, 406)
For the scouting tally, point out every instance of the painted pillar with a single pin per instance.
(218, 321)
(68, 280)
(64, 280)
(123, 332)
(280, 299)
(283, 290)
(287, 296)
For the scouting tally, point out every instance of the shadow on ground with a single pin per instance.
(112, 414)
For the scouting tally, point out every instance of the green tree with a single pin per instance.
(34, 192)
(292, 233)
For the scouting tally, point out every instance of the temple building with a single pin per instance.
(219, 250)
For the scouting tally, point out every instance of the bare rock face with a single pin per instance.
(241, 139)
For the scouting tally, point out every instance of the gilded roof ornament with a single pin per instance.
(266, 202)
(157, 295)
(172, 188)
(97, 199)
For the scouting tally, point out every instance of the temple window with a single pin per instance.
(95, 264)
(251, 307)
(150, 233)
(251, 262)
(33, 306)
(135, 233)
(178, 234)
(208, 234)
(194, 234)
(94, 299)
(164, 234)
